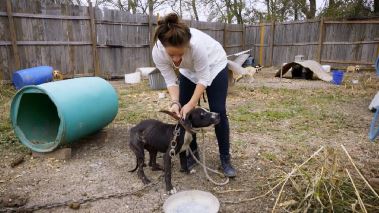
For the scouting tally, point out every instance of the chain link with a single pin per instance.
(80, 201)
(173, 142)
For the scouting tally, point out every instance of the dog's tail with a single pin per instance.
(133, 170)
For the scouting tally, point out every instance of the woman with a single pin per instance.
(202, 64)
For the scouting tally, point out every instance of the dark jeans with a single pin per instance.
(216, 94)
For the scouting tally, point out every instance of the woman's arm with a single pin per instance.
(174, 92)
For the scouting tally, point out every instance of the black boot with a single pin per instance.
(227, 167)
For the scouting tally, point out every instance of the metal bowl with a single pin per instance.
(191, 201)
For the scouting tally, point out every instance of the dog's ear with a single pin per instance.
(186, 122)
(172, 114)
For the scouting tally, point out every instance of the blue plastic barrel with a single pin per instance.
(48, 115)
(374, 127)
(32, 76)
(337, 77)
(377, 66)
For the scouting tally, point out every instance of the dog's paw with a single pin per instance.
(156, 167)
(184, 171)
(146, 181)
(172, 191)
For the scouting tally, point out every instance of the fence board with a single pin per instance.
(59, 36)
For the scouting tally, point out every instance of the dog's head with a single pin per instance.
(196, 118)
(200, 117)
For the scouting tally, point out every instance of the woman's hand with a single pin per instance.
(186, 108)
(175, 109)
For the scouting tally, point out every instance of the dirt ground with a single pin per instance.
(275, 124)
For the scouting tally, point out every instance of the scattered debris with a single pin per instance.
(8, 201)
(17, 161)
(74, 205)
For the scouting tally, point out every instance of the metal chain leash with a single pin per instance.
(173, 142)
(80, 201)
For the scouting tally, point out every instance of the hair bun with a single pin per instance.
(172, 18)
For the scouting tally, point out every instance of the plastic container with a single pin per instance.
(249, 62)
(48, 115)
(156, 80)
(326, 68)
(133, 78)
(374, 127)
(32, 76)
(377, 66)
(299, 58)
(145, 71)
(337, 77)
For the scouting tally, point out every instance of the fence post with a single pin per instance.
(272, 42)
(320, 40)
(12, 30)
(151, 31)
(261, 45)
(225, 36)
(243, 37)
(95, 56)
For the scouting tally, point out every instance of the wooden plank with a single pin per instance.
(47, 43)
(106, 22)
(298, 44)
(225, 35)
(46, 16)
(13, 37)
(234, 45)
(260, 45)
(151, 39)
(262, 38)
(243, 40)
(124, 46)
(232, 30)
(210, 29)
(272, 36)
(349, 42)
(95, 56)
(348, 62)
(320, 39)
(298, 22)
(353, 22)
(259, 24)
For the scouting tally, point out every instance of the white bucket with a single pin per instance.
(326, 68)
(145, 71)
(133, 78)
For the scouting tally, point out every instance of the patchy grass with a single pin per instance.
(8, 140)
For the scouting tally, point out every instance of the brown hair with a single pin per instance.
(171, 31)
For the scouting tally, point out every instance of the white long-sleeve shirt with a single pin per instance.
(201, 63)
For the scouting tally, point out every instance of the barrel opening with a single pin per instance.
(37, 118)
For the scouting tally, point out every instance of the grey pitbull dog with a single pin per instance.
(156, 136)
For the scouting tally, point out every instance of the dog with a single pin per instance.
(57, 75)
(353, 69)
(250, 71)
(156, 136)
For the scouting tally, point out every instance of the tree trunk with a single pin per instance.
(376, 6)
(268, 9)
(180, 8)
(132, 6)
(195, 10)
(151, 7)
(312, 9)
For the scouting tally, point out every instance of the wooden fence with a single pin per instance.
(338, 43)
(87, 41)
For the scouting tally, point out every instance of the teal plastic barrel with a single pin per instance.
(50, 114)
